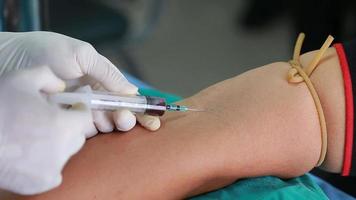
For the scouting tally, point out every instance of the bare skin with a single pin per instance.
(328, 82)
(262, 126)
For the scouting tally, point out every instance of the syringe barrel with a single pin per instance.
(136, 103)
(108, 101)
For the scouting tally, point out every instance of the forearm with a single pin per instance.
(168, 164)
(271, 129)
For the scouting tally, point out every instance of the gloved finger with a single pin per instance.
(151, 123)
(109, 76)
(89, 128)
(124, 120)
(103, 121)
(44, 79)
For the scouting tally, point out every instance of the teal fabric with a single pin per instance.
(259, 188)
(170, 98)
(268, 188)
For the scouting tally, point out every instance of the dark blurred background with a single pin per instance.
(182, 46)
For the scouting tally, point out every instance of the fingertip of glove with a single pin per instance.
(91, 132)
(151, 123)
(103, 121)
(124, 120)
(104, 127)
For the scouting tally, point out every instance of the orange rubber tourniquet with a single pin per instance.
(298, 74)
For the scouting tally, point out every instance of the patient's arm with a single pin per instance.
(255, 124)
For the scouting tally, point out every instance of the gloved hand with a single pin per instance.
(72, 59)
(36, 137)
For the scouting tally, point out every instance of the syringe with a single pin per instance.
(150, 105)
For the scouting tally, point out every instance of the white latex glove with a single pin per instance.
(72, 59)
(36, 137)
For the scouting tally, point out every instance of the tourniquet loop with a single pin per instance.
(298, 74)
